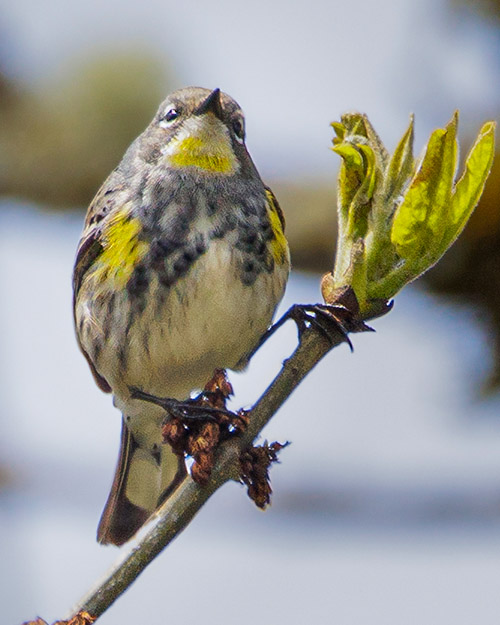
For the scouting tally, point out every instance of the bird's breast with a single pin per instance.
(168, 338)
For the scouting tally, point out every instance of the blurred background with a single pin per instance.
(387, 509)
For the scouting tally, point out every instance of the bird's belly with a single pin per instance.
(208, 319)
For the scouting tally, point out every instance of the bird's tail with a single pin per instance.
(143, 480)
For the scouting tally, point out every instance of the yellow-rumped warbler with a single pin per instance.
(179, 270)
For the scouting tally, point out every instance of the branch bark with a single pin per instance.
(177, 512)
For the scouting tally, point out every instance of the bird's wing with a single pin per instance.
(275, 206)
(91, 247)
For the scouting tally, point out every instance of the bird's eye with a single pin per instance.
(238, 130)
(169, 117)
(171, 114)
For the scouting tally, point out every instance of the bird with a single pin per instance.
(181, 265)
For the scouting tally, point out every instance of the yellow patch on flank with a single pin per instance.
(205, 155)
(278, 245)
(122, 249)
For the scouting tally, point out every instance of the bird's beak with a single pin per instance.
(211, 104)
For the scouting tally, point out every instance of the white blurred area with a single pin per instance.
(387, 504)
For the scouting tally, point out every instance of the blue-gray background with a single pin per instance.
(387, 509)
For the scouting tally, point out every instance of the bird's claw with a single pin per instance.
(328, 320)
(331, 320)
(196, 409)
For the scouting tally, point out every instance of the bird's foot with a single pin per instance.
(333, 321)
(195, 409)
(195, 427)
(329, 320)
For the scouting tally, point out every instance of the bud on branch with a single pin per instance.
(397, 217)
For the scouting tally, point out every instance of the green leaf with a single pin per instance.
(420, 221)
(381, 255)
(370, 170)
(401, 164)
(339, 129)
(353, 159)
(469, 188)
(374, 141)
(350, 176)
(360, 203)
(358, 128)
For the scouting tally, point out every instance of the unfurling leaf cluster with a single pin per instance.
(398, 216)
